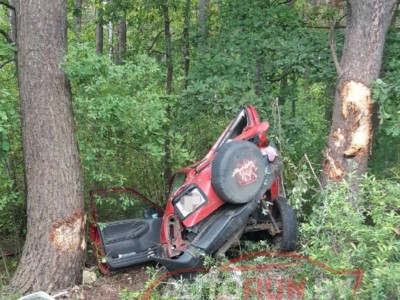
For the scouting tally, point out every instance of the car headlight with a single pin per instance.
(188, 201)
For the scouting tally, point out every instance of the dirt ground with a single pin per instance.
(105, 287)
(109, 287)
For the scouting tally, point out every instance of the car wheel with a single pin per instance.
(286, 218)
(238, 172)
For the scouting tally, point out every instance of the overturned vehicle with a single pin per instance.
(233, 192)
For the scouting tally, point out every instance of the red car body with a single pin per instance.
(202, 213)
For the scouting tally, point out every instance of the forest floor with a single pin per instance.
(104, 287)
(110, 286)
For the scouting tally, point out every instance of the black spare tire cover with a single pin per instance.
(238, 171)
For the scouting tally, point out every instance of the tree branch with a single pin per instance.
(325, 27)
(332, 46)
(7, 62)
(154, 41)
(285, 73)
(7, 37)
(291, 2)
(7, 5)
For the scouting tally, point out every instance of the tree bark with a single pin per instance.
(259, 74)
(394, 14)
(12, 17)
(77, 17)
(99, 30)
(349, 141)
(168, 89)
(110, 40)
(121, 47)
(203, 31)
(186, 42)
(53, 253)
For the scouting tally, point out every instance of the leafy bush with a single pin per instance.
(120, 113)
(358, 231)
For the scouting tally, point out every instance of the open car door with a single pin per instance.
(124, 228)
(245, 126)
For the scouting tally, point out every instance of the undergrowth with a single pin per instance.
(341, 234)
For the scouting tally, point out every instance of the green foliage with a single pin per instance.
(256, 52)
(257, 44)
(302, 132)
(386, 95)
(386, 146)
(11, 171)
(349, 231)
(118, 111)
(260, 51)
(120, 114)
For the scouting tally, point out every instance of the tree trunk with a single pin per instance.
(13, 21)
(186, 42)
(283, 87)
(53, 253)
(293, 108)
(394, 14)
(110, 40)
(203, 32)
(77, 17)
(99, 30)
(168, 89)
(350, 136)
(121, 47)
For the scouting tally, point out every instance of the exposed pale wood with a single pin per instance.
(52, 256)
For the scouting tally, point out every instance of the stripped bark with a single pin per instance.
(349, 142)
(53, 253)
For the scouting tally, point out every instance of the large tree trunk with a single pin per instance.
(53, 253)
(350, 137)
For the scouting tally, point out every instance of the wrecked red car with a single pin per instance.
(232, 193)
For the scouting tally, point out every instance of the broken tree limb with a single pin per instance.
(332, 46)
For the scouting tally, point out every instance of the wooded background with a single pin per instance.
(153, 83)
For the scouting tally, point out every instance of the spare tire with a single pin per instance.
(238, 171)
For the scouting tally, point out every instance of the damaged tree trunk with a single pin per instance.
(53, 253)
(350, 136)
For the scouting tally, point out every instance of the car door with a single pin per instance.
(124, 228)
(245, 126)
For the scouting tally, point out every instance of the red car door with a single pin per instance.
(124, 228)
